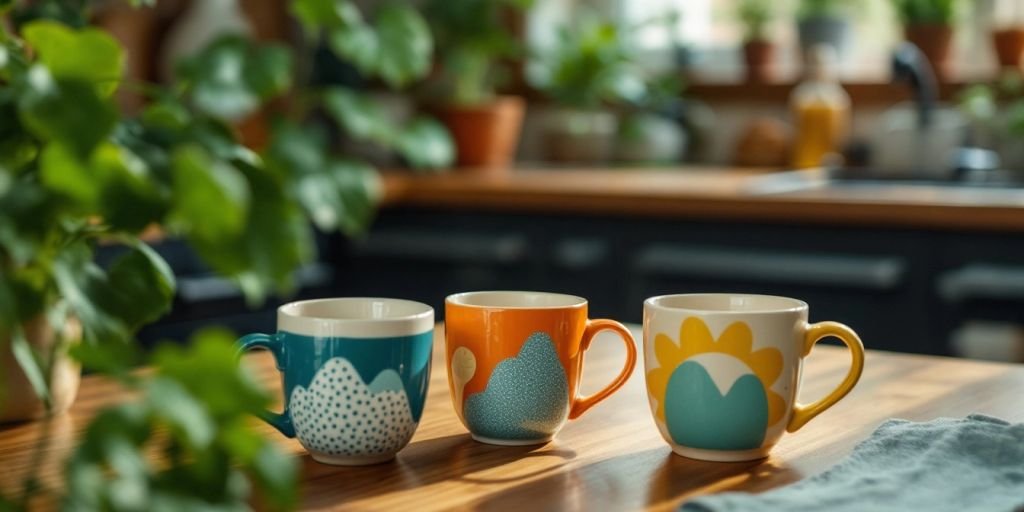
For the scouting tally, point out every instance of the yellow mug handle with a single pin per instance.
(815, 332)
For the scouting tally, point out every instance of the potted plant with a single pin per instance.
(928, 24)
(822, 22)
(652, 131)
(589, 69)
(758, 49)
(75, 172)
(472, 38)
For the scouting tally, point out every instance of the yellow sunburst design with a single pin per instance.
(736, 341)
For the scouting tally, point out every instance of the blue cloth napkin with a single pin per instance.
(975, 463)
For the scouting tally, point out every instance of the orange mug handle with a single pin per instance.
(815, 332)
(580, 404)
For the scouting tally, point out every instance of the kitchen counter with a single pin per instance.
(700, 193)
(612, 458)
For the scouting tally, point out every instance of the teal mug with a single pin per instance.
(355, 375)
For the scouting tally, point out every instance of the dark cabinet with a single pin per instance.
(885, 283)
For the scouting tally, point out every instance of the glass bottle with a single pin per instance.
(821, 110)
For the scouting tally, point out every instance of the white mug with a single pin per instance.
(723, 371)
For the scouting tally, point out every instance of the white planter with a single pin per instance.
(580, 136)
(18, 400)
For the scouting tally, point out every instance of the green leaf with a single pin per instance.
(317, 14)
(278, 238)
(231, 77)
(63, 172)
(182, 411)
(81, 284)
(405, 44)
(137, 288)
(113, 183)
(397, 47)
(268, 70)
(341, 196)
(277, 474)
(275, 240)
(31, 365)
(358, 115)
(209, 370)
(426, 143)
(211, 196)
(88, 55)
(130, 198)
(69, 112)
(141, 286)
(114, 358)
(359, 45)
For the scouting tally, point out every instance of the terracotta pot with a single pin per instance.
(18, 401)
(759, 57)
(935, 42)
(1009, 44)
(486, 136)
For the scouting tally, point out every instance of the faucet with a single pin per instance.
(909, 65)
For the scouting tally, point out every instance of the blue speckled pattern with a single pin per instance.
(527, 396)
(339, 414)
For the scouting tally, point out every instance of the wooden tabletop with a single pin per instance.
(612, 458)
(705, 193)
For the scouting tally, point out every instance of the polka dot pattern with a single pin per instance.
(339, 415)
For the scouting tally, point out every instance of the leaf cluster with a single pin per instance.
(592, 64)
(75, 172)
(926, 12)
(473, 37)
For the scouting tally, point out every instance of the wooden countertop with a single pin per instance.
(710, 194)
(612, 458)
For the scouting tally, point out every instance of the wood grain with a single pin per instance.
(708, 194)
(612, 458)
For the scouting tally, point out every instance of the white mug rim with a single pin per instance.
(417, 319)
(793, 305)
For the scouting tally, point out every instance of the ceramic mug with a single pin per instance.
(723, 371)
(515, 360)
(355, 375)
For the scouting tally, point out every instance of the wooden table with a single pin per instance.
(610, 459)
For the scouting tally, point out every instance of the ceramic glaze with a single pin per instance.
(355, 375)
(527, 396)
(515, 360)
(723, 371)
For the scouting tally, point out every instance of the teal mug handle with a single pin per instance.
(282, 421)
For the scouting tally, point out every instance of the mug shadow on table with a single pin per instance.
(653, 477)
(455, 457)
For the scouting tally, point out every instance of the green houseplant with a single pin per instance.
(75, 173)
(590, 68)
(823, 22)
(758, 50)
(929, 25)
(472, 38)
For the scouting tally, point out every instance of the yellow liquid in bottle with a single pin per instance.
(820, 129)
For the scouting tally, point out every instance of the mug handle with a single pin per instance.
(283, 421)
(581, 404)
(815, 332)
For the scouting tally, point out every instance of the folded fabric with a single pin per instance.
(975, 463)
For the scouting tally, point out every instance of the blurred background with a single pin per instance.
(864, 156)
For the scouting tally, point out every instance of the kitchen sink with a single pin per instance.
(867, 179)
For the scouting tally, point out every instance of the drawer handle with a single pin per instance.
(207, 288)
(445, 247)
(862, 272)
(982, 281)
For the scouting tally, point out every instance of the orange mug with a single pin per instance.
(515, 360)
